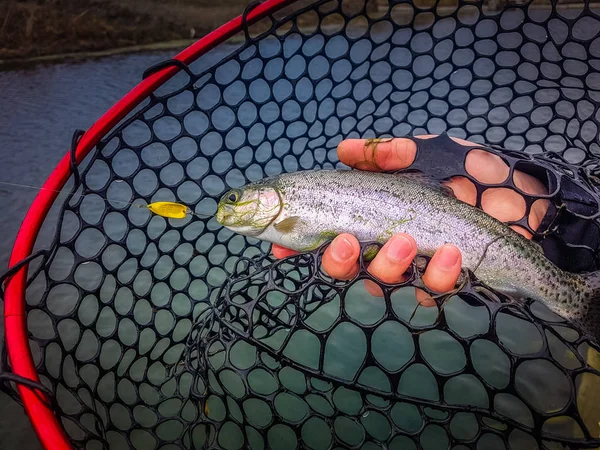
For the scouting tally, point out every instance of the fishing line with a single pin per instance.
(171, 210)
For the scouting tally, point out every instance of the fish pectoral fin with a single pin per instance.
(287, 225)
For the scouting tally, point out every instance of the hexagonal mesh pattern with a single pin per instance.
(165, 333)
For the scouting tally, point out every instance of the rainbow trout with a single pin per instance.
(302, 210)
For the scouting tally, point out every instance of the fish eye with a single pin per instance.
(232, 197)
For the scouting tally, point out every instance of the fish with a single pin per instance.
(305, 209)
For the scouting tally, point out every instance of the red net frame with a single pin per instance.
(45, 423)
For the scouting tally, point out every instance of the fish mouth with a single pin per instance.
(230, 218)
(222, 216)
(221, 219)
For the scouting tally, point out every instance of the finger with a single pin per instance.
(532, 185)
(391, 262)
(282, 252)
(424, 298)
(340, 259)
(522, 231)
(377, 154)
(463, 189)
(538, 212)
(503, 204)
(443, 270)
(486, 167)
(441, 274)
(529, 184)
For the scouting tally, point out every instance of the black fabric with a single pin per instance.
(568, 233)
(582, 234)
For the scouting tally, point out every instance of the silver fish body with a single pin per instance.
(305, 209)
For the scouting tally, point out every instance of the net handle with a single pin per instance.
(45, 423)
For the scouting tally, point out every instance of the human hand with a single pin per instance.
(340, 259)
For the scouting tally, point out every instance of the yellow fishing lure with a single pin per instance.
(169, 209)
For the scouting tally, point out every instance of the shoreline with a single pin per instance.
(8, 64)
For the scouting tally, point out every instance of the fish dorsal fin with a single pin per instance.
(426, 180)
(287, 225)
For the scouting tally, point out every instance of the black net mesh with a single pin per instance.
(159, 333)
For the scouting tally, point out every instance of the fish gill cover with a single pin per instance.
(176, 333)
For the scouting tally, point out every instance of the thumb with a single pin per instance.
(377, 154)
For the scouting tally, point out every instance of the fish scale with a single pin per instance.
(315, 206)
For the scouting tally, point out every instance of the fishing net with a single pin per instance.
(164, 333)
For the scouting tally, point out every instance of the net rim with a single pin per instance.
(46, 424)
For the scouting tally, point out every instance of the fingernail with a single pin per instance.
(399, 248)
(341, 249)
(448, 256)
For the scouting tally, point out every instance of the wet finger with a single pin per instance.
(377, 154)
(282, 252)
(340, 259)
(443, 270)
(391, 262)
